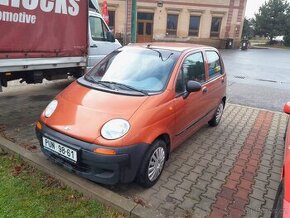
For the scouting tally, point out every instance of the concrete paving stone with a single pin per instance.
(226, 166)
(255, 205)
(264, 169)
(186, 169)
(202, 184)
(205, 204)
(221, 176)
(259, 184)
(171, 167)
(179, 194)
(262, 176)
(170, 184)
(216, 162)
(277, 163)
(179, 162)
(216, 184)
(178, 176)
(211, 169)
(195, 193)
(162, 193)
(188, 204)
(258, 194)
(220, 157)
(192, 176)
(276, 169)
(198, 169)
(203, 163)
(271, 194)
(196, 156)
(200, 213)
(211, 193)
(275, 176)
(186, 184)
(273, 185)
(206, 176)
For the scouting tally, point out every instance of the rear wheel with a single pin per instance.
(218, 115)
(153, 164)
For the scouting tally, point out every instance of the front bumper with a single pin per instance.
(105, 169)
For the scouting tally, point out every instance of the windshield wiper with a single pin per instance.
(99, 82)
(126, 86)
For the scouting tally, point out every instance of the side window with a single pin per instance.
(192, 69)
(214, 64)
(98, 29)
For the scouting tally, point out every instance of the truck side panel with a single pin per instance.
(40, 29)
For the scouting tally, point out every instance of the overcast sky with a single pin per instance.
(253, 7)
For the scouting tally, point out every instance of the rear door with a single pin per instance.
(216, 79)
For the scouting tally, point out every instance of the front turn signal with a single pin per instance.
(105, 151)
(38, 125)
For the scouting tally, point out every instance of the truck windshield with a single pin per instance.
(145, 70)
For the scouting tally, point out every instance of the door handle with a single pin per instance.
(204, 90)
(94, 46)
(223, 80)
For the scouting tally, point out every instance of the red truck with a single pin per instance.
(51, 39)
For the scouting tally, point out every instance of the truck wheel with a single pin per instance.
(153, 164)
(217, 116)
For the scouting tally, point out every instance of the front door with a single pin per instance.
(145, 27)
(189, 109)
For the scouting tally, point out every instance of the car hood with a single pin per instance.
(82, 111)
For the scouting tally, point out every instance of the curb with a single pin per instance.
(88, 188)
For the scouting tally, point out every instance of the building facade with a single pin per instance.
(209, 22)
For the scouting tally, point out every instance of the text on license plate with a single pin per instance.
(60, 149)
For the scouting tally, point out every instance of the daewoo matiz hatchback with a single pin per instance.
(121, 120)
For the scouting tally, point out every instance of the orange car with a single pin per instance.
(122, 119)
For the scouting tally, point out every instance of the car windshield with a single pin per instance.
(143, 70)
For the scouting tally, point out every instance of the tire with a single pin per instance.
(277, 211)
(149, 172)
(217, 116)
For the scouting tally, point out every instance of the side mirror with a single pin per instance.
(193, 86)
(110, 37)
(287, 108)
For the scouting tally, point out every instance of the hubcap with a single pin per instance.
(156, 164)
(219, 112)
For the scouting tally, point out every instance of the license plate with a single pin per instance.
(62, 150)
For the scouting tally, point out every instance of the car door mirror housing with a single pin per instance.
(287, 108)
(110, 37)
(193, 86)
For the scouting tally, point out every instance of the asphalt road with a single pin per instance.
(258, 77)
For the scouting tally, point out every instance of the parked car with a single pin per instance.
(121, 120)
(281, 206)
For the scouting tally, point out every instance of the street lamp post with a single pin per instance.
(134, 21)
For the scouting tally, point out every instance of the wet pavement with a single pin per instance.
(258, 77)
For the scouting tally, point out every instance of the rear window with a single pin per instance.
(214, 64)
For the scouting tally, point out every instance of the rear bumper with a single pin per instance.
(105, 169)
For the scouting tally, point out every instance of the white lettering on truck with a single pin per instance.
(70, 7)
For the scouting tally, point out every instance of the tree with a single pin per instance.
(271, 20)
(248, 28)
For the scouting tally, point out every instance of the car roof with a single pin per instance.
(181, 47)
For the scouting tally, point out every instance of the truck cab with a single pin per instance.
(101, 40)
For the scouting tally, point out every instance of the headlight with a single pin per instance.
(114, 129)
(50, 108)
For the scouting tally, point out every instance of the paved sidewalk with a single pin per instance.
(231, 170)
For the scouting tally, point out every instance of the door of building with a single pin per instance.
(145, 27)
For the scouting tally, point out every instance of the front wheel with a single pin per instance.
(218, 115)
(153, 164)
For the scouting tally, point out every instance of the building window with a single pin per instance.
(194, 25)
(215, 26)
(172, 21)
(112, 20)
